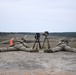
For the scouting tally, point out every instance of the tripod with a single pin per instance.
(46, 39)
(37, 40)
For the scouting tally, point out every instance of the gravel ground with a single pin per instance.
(37, 62)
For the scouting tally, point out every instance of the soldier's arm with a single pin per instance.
(59, 43)
(24, 44)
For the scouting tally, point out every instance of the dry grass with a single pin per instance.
(53, 40)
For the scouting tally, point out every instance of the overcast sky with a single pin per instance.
(37, 15)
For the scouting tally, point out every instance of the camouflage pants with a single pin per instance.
(63, 47)
(16, 47)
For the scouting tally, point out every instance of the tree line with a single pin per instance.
(66, 34)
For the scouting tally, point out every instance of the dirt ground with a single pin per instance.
(24, 63)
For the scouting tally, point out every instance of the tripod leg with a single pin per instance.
(34, 44)
(43, 43)
(39, 44)
(48, 43)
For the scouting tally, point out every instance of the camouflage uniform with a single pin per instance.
(18, 46)
(63, 46)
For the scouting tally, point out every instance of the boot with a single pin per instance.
(48, 51)
(35, 50)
